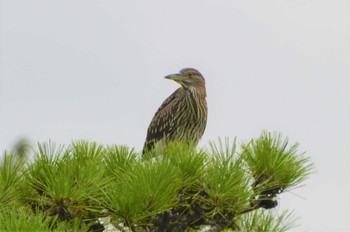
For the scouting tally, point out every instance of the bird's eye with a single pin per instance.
(188, 75)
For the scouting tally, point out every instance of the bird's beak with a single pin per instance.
(175, 77)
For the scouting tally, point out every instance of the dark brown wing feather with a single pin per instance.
(162, 123)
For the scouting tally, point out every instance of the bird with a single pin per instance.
(182, 117)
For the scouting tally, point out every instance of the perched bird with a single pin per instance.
(183, 115)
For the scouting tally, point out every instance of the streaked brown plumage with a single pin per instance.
(183, 115)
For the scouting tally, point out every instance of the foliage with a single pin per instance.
(175, 189)
(275, 167)
(11, 179)
(261, 220)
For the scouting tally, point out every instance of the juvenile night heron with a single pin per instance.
(183, 115)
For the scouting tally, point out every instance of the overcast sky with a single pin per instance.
(94, 70)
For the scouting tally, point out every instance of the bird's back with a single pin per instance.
(181, 117)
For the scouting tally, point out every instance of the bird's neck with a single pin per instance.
(195, 100)
(198, 91)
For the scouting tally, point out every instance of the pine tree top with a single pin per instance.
(177, 188)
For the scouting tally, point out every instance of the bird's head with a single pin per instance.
(188, 77)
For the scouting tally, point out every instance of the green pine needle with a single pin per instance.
(69, 188)
(189, 162)
(23, 219)
(119, 161)
(274, 164)
(261, 220)
(149, 189)
(11, 179)
(226, 182)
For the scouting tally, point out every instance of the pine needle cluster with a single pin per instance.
(179, 188)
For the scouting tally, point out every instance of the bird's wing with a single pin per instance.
(162, 123)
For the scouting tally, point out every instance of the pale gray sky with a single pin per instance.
(94, 70)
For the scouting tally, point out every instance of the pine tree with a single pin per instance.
(89, 187)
